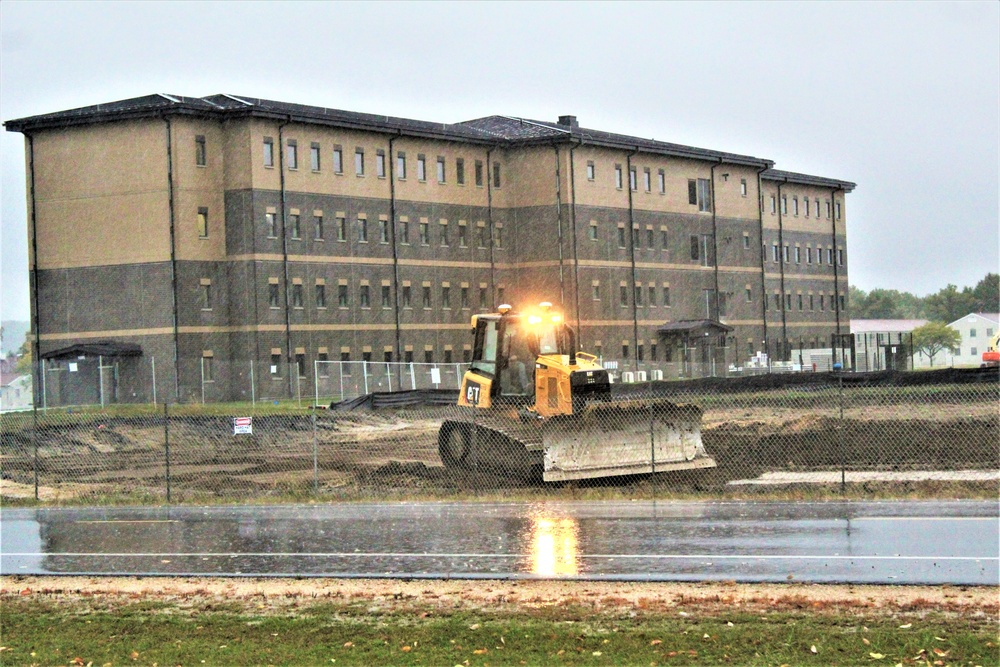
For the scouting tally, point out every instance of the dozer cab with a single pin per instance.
(534, 402)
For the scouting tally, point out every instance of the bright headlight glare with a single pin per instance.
(534, 319)
(557, 318)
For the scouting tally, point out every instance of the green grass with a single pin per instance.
(50, 632)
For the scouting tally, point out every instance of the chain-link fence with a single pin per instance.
(891, 434)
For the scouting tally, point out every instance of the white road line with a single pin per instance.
(992, 519)
(82, 554)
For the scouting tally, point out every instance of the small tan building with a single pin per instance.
(211, 232)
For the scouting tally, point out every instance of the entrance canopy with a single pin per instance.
(104, 348)
(693, 329)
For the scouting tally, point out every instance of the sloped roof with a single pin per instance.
(806, 179)
(693, 328)
(104, 348)
(992, 317)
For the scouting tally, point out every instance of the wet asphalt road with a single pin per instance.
(855, 542)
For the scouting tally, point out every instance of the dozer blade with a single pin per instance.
(624, 438)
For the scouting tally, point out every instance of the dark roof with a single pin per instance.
(104, 348)
(496, 130)
(806, 179)
(693, 328)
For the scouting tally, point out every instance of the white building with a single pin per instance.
(15, 392)
(885, 344)
(976, 330)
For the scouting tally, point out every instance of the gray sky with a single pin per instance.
(901, 98)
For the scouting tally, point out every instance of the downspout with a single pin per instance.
(38, 398)
(836, 273)
(284, 255)
(763, 253)
(576, 257)
(489, 221)
(559, 230)
(631, 244)
(781, 265)
(715, 245)
(395, 254)
(173, 260)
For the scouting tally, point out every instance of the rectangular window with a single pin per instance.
(271, 222)
(591, 172)
(637, 296)
(275, 364)
(338, 160)
(203, 222)
(812, 302)
(704, 194)
(464, 295)
(623, 296)
(362, 230)
(647, 180)
(822, 302)
(314, 156)
(365, 296)
(321, 296)
(445, 239)
(386, 297)
(621, 237)
(500, 295)
(292, 154)
(498, 237)
(805, 206)
(784, 204)
(635, 237)
(828, 209)
(829, 256)
(774, 252)
(632, 179)
(662, 178)
(784, 254)
(300, 365)
(206, 296)
(743, 187)
(695, 247)
(421, 168)
(798, 255)
(380, 163)
(359, 161)
(799, 299)
(795, 206)
(425, 233)
(463, 236)
(446, 297)
(343, 300)
(788, 302)
(293, 225)
(297, 295)
(383, 231)
(440, 169)
(482, 298)
(496, 174)
(595, 292)
(840, 258)
(746, 242)
(460, 171)
(318, 226)
(408, 356)
(268, 152)
(404, 232)
(592, 232)
(692, 192)
(200, 153)
(774, 205)
(651, 296)
(401, 166)
(749, 295)
(618, 176)
(425, 297)
(838, 210)
(341, 229)
(650, 238)
(479, 173)
(272, 296)
(664, 238)
(407, 298)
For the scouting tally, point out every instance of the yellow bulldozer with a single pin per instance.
(534, 402)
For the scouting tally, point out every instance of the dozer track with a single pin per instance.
(605, 439)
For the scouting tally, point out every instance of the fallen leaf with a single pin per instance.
(906, 627)
(941, 654)
(656, 642)
(596, 653)
(730, 624)
(481, 651)
(813, 649)
(866, 642)
(941, 639)
(474, 626)
(76, 661)
(561, 651)
(348, 644)
(705, 637)
(135, 655)
(406, 649)
(877, 656)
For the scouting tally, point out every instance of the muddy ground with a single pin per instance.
(387, 452)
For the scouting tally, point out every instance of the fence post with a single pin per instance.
(315, 456)
(253, 387)
(840, 431)
(166, 445)
(34, 446)
(152, 363)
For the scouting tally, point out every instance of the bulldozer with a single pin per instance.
(533, 402)
(991, 357)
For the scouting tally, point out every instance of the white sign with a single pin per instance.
(435, 376)
(242, 425)
(72, 367)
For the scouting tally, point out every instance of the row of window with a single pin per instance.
(448, 298)
(783, 257)
(807, 206)
(807, 299)
(342, 233)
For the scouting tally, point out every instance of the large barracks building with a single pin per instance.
(233, 229)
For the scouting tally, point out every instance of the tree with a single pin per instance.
(933, 337)
(23, 365)
(986, 294)
(949, 304)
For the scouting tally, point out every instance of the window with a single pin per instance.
(292, 154)
(621, 236)
(365, 296)
(383, 231)
(595, 292)
(664, 238)
(637, 296)
(206, 295)
(798, 255)
(200, 154)
(421, 168)
(341, 228)
(496, 175)
(359, 161)
(407, 299)
(592, 232)
(840, 257)
(652, 351)
(447, 356)
(809, 255)
(838, 210)
(974, 351)
(746, 242)
(842, 302)
(795, 206)
(318, 227)
(743, 187)
(425, 297)
(635, 237)
(321, 296)
(639, 352)
(338, 160)
(695, 247)
(632, 179)
(482, 298)
(498, 237)
(362, 230)
(272, 295)
(591, 172)
(460, 171)
(500, 295)
(989, 332)
(822, 302)
(425, 234)
(380, 163)
(203, 222)
(297, 295)
(464, 296)
(343, 301)
(749, 295)
(812, 302)
(777, 301)
(404, 232)
(774, 252)
(440, 169)
(829, 256)
(805, 206)
(828, 209)
(401, 166)
(692, 192)
(704, 195)
(463, 236)
(408, 356)
(481, 237)
(784, 205)
(445, 297)
(650, 238)
(819, 255)
(479, 173)
(386, 301)
(624, 350)
(271, 222)
(345, 355)
(774, 204)
(800, 301)
(314, 156)
(618, 176)
(275, 364)
(428, 356)
(323, 368)
(784, 254)
(623, 296)
(647, 180)
(651, 296)
(445, 240)
(788, 301)
(268, 152)
(662, 178)
(293, 225)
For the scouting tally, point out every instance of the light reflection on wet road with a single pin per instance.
(883, 542)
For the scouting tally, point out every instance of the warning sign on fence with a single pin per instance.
(242, 425)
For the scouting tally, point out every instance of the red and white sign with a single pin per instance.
(242, 425)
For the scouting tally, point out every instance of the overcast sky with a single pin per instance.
(901, 98)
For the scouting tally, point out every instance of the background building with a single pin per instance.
(976, 330)
(184, 237)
